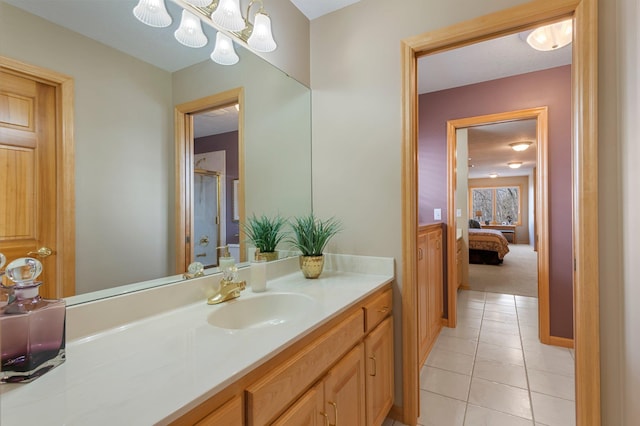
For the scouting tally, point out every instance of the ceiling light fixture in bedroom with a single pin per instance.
(515, 164)
(493, 175)
(520, 146)
(551, 37)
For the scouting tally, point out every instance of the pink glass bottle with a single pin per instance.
(32, 329)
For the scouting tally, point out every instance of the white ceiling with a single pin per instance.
(489, 60)
(313, 9)
(489, 150)
(214, 122)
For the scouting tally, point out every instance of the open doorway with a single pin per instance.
(584, 183)
(499, 208)
(209, 151)
(216, 167)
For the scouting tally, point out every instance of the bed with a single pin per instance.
(487, 246)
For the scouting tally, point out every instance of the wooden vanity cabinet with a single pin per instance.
(230, 414)
(280, 387)
(379, 361)
(430, 287)
(344, 390)
(338, 399)
(308, 410)
(341, 374)
(459, 262)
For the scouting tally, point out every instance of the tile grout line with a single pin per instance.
(475, 355)
(524, 360)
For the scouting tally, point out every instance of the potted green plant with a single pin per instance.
(310, 236)
(265, 233)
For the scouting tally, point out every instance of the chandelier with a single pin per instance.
(222, 15)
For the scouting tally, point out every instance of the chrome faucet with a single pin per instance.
(228, 290)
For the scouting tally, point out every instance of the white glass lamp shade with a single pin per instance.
(520, 146)
(200, 3)
(515, 164)
(228, 15)
(153, 13)
(261, 38)
(224, 53)
(190, 31)
(551, 37)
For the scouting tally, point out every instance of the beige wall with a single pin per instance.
(291, 32)
(356, 82)
(619, 204)
(123, 177)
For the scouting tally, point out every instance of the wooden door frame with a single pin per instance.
(541, 115)
(585, 183)
(184, 168)
(65, 250)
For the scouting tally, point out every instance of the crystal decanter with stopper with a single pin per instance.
(32, 329)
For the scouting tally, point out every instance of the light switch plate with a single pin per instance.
(459, 213)
(437, 214)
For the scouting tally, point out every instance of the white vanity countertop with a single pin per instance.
(155, 369)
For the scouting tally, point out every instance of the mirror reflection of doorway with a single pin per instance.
(215, 167)
(209, 127)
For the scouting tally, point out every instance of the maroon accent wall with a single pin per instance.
(224, 142)
(551, 88)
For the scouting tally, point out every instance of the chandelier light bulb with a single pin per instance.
(228, 15)
(224, 53)
(153, 13)
(190, 31)
(261, 38)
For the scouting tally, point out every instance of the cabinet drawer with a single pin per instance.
(270, 395)
(376, 310)
(230, 414)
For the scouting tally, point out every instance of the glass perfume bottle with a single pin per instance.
(32, 329)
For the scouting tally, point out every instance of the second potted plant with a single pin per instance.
(265, 233)
(310, 236)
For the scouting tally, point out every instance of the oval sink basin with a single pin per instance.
(267, 310)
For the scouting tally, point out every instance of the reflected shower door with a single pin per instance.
(206, 226)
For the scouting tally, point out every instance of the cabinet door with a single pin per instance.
(459, 261)
(435, 281)
(230, 414)
(423, 298)
(307, 411)
(379, 361)
(344, 388)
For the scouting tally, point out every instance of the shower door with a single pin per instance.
(206, 225)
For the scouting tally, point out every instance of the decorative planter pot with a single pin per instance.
(269, 255)
(311, 266)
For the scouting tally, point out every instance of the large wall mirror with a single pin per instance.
(124, 130)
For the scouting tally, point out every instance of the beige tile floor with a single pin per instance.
(492, 370)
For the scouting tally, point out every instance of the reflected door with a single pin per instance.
(28, 173)
(206, 225)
